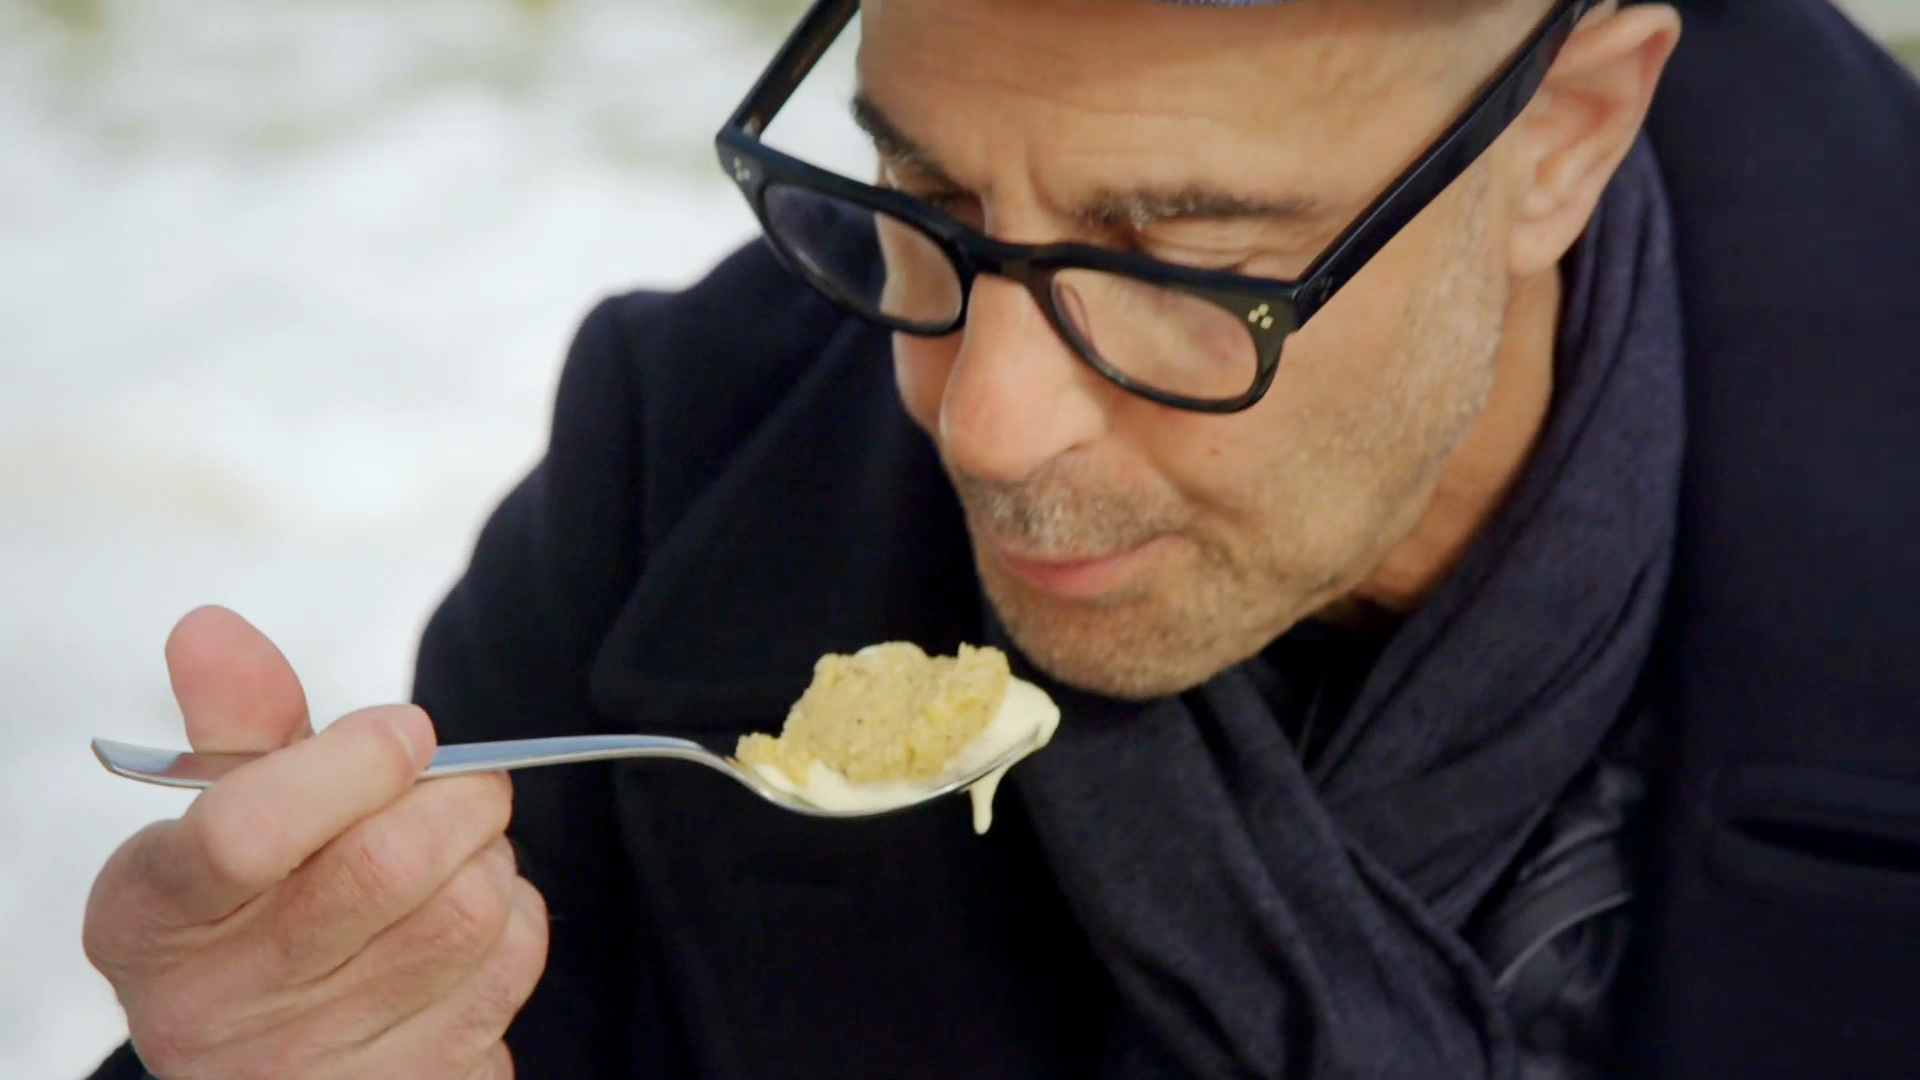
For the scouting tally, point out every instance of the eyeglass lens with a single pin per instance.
(889, 270)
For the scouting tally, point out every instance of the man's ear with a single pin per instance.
(1581, 125)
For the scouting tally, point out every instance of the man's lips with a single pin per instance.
(1077, 578)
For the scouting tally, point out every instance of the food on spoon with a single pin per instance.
(882, 727)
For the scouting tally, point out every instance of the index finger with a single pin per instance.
(256, 825)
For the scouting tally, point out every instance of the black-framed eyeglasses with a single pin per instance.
(1203, 340)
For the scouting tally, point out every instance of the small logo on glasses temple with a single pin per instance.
(1260, 317)
(740, 170)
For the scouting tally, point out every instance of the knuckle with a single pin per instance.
(453, 1057)
(477, 805)
(462, 813)
(496, 994)
(494, 801)
(278, 1059)
(112, 946)
(520, 958)
(126, 902)
(532, 906)
(103, 931)
(523, 954)
(463, 1045)
(398, 754)
(496, 1065)
(372, 737)
(381, 860)
(238, 842)
(98, 942)
(491, 1005)
(470, 1042)
(198, 1023)
(291, 942)
(470, 913)
(170, 1034)
(161, 1052)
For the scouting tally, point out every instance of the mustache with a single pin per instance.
(1053, 515)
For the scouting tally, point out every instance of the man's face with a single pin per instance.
(1133, 549)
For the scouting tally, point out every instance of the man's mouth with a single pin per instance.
(1074, 577)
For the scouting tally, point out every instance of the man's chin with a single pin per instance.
(1109, 648)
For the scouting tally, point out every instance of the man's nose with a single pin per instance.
(1017, 396)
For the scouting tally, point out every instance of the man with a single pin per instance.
(1338, 500)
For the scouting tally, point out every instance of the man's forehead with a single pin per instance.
(1136, 206)
(1295, 46)
(1418, 10)
(1282, 112)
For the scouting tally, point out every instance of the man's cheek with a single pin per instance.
(920, 367)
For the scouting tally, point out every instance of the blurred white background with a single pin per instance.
(1893, 18)
(283, 292)
(284, 288)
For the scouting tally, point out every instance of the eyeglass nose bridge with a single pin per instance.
(1009, 263)
(1270, 319)
(996, 258)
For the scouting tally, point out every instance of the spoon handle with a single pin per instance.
(187, 769)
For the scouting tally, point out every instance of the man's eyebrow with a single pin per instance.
(1141, 208)
(1135, 208)
(892, 143)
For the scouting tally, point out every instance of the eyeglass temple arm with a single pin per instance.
(1457, 150)
(817, 31)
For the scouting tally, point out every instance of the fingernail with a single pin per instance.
(416, 731)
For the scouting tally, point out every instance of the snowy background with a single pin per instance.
(283, 291)
(284, 288)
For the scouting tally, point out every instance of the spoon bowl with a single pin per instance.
(191, 769)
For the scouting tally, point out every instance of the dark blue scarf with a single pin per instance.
(1263, 920)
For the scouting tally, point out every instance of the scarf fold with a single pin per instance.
(1263, 921)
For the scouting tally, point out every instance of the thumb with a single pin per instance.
(237, 693)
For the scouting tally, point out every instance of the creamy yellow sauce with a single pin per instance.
(1024, 722)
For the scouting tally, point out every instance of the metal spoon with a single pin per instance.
(183, 769)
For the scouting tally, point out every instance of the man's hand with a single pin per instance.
(315, 913)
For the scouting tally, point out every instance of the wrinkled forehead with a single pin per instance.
(1317, 93)
(1293, 52)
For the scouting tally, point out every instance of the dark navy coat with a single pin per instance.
(732, 489)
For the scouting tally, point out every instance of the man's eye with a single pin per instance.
(1261, 264)
(1215, 264)
(954, 204)
(1193, 260)
(939, 200)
